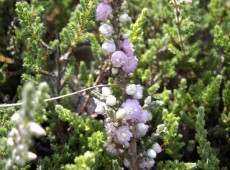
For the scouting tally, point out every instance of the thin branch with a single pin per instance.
(98, 81)
(178, 21)
(59, 97)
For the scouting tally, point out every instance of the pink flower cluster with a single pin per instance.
(128, 121)
(125, 123)
(122, 56)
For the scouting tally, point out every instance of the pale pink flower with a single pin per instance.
(111, 148)
(109, 47)
(118, 59)
(147, 164)
(144, 116)
(106, 30)
(103, 11)
(130, 65)
(127, 47)
(110, 129)
(123, 135)
(141, 130)
(157, 147)
(132, 109)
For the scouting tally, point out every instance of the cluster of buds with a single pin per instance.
(126, 122)
(19, 138)
(122, 55)
(150, 155)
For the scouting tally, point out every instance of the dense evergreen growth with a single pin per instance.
(183, 52)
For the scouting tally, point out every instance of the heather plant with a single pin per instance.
(115, 84)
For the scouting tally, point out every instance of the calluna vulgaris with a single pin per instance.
(115, 84)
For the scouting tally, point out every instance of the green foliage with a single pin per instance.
(211, 96)
(84, 162)
(176, 165)
(80, 21)
(136, 29)
(83, 74)
(78, 123)
(221, 40)
(226, 98)
(27, 19)
(207, 154)
(172, 139)
(96, 141)
(182, 65)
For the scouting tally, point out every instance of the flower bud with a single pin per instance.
(106, 91)
(13, 132)
(31, 156)
(125, 36)
(109, 47)
(141, 129)
(114, 71)
(123, 18)
(36, 129)
(10, 142)
(106, 30)
(120, 114)
(157, 148)
(160, 128)
(131, 89)
(151, 153)
(16, 118)
(148, 100)
(100, 108)
(111, 100)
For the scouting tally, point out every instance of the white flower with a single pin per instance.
(10, 142)
(147, 164)
(157, 147)
(106, 30)
(160, 128)
(36, 129)
(151, 153)
(123, 135)
(100, 109)
(125, 36)
(109, 47)
(120, 114)
(114, 71)
(131, 89)
(31, 156)
(13, 132)
(134, 90)
(111, 148)
(123, 18)
(16, 118)
(106, 91)
(141, 129)
(148, 100)
(111, 100)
